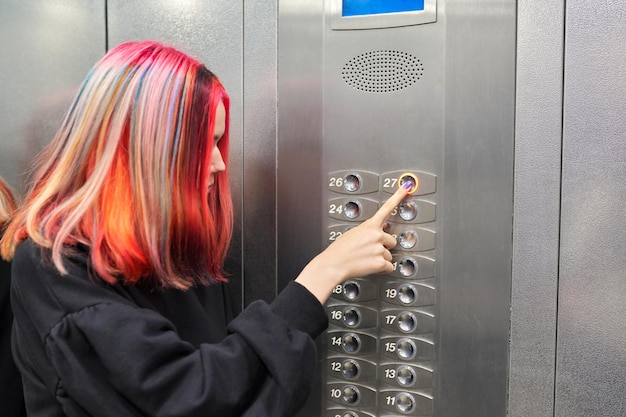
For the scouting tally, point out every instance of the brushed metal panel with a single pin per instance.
(455, 122)
(259, 133)
(386, 124)
(299, 148)
(540, 39)
(212, 32)
(477, 208)
(591, 349)
(299, 119)
(47, 48)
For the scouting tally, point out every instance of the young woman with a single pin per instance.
(118, 288)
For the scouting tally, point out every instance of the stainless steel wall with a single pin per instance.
(478, 204)
(568, 311)
(537, 203)
(591, 336)
(46, 49)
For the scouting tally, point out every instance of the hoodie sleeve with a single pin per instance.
(117, 359)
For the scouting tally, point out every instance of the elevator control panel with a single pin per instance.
(381, 355)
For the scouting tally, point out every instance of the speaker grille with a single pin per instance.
(382, 71)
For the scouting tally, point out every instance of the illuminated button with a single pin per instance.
(350, 394)
(351, 343)
(351, 316)
(390, 181)
(407, 267)
(352, 210)
(408, 239)
(406, 348)
(406, 321)
(352, 183)
(407, 293)
(406, 375)
(407, 210)
(405, 402)
(409, 181)
(350, 369)
(351, 290)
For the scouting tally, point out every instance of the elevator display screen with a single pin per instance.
(372, 14)
(369, 7)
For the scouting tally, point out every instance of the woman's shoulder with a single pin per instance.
(28, 251)
(47, 295)
(32, 262)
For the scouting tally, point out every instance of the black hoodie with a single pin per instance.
(11, 396)
(86, 348)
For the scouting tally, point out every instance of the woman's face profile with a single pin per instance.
(217, 161)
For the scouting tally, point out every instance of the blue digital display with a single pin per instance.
(368, 7)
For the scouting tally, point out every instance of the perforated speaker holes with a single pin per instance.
(382, 71)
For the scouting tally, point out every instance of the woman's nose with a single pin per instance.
(217, 162)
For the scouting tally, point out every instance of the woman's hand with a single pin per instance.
(361, 251)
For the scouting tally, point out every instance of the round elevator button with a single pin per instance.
(352, 183)
(405, 375)
(406, 321)
(407, 267)
(350, 394)
(351, 290)
(352, 210)
(351, 316)
(408, 239)
(407, 210)
(406, 348)
(407, 294)
(405, 402)
(350, 368)
(409, 181)
(351, 342)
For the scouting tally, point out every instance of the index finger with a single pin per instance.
(383, 213)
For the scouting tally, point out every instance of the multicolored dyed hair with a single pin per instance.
(7, 203)
(128, 173)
